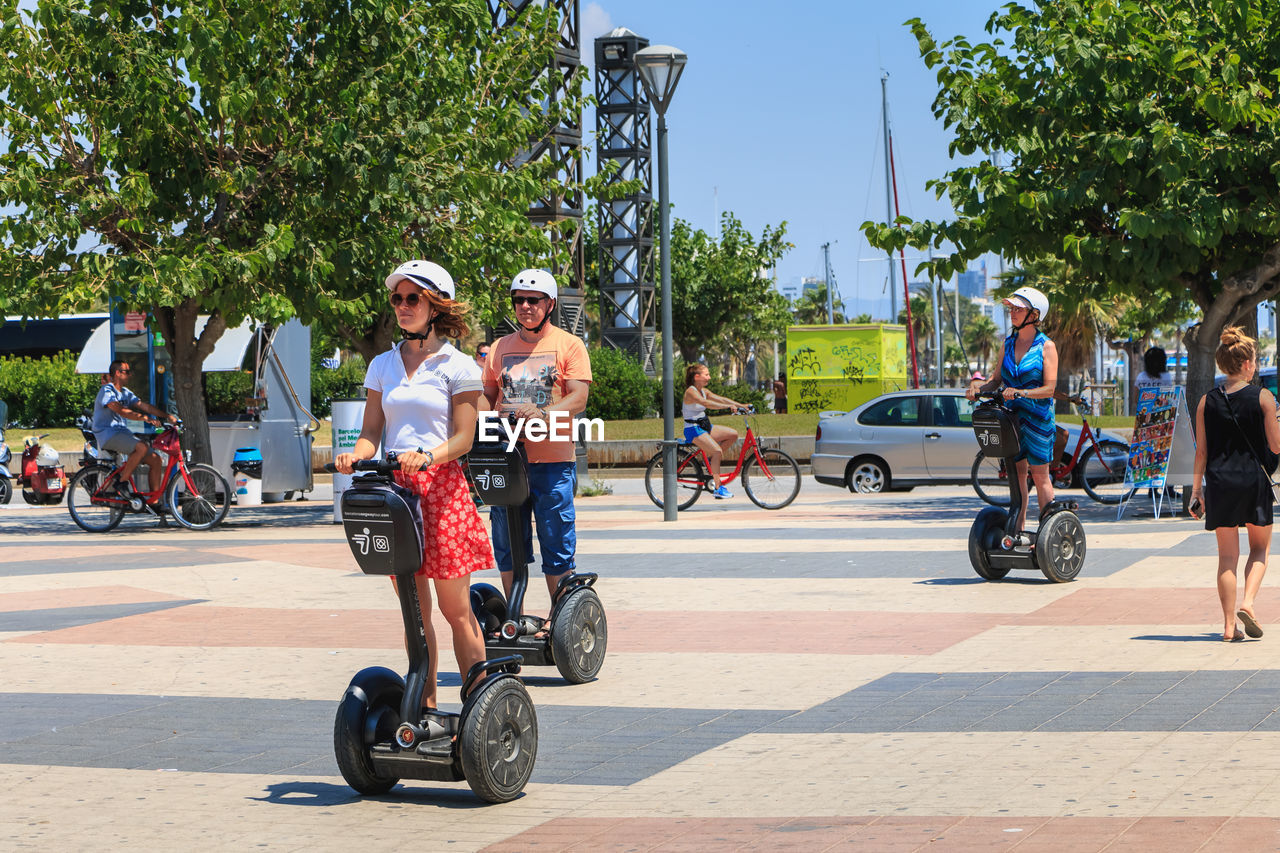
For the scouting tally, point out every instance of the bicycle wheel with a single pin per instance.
(1104, 473)
(94, 515)
(989, 480)
(771, 478)
(204, 503)
(691, 475)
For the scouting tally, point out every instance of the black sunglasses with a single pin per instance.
(410, 299)
(526, 300)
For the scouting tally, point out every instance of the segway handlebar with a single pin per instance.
(378, 466)
(996, 396)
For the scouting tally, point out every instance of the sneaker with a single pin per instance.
(722, 493)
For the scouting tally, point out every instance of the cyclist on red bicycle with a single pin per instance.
(715, 440)
(113, 408)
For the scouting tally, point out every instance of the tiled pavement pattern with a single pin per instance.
(831, 676)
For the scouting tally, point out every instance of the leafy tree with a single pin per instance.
(719, 285)
(810, 309)
(243, 160)
(1142, 141)
(862, 318)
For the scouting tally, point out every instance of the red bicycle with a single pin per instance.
(770, 477)
(1096, 464)
(197, 496)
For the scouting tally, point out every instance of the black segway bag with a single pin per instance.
(501, 476)
(383, 523)
(997, 430)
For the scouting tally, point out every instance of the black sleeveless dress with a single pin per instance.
(1236, 491)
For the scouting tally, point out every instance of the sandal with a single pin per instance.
(1251, 626)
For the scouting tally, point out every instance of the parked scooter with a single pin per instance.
(40, 474)
(6, 487)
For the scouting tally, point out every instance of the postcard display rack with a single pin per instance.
(1163, 448)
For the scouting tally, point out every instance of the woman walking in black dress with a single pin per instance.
(1236, 435)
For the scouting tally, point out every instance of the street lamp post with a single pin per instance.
(660, 67)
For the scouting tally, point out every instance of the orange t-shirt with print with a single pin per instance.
(537, 373)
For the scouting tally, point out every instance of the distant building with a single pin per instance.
(810, 282)
(973, 283)
(791, 290)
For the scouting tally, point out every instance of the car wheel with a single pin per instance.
(868, 476)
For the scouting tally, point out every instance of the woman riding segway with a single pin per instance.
(1017, 425)
(1029, 373)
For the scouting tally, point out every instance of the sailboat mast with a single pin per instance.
(888, 190)
(906, 295)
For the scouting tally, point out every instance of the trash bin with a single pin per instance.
(246, 466)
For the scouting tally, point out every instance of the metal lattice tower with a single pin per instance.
(625, 225)
(563, 146)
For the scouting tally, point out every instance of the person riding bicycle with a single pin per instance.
(1029, 372)
(540, 373)
(113, 408)
(715, 440)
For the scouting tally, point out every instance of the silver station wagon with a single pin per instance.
(903, 439)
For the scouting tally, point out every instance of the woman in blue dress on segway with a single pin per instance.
(1017, 426)
(1029, 373)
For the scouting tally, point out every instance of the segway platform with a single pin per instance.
(998, 542)
(381, 733)
(576, 634)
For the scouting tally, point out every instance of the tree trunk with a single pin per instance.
(187, 355)
(1132, 357)
(1235, 303)
(375, 341)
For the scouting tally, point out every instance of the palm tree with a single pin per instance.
(981, 338)
(811, 308)
(922, 329)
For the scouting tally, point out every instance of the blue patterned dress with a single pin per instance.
(1035, 417)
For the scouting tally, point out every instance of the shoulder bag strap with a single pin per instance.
(1256, 457)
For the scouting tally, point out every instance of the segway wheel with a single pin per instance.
(1060, 547)
(579, 636)
(498, 743)
(985, 533)
(368, 713)
(489, 607)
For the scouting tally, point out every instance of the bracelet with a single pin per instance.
(431, 457)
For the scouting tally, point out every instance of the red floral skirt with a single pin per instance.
(456, 542)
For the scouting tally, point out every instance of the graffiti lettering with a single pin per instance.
(811, 397)
(804, 360)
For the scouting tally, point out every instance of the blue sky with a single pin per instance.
(777, 117)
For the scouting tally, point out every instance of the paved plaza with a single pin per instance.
(829, 676)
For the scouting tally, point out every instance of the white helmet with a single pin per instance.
(47, 457)
(424, 274)
(1029, 297)
(539, 281)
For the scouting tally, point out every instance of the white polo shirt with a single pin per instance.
(419, 409)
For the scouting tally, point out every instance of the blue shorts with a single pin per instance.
(692, 431)
(550, 503)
